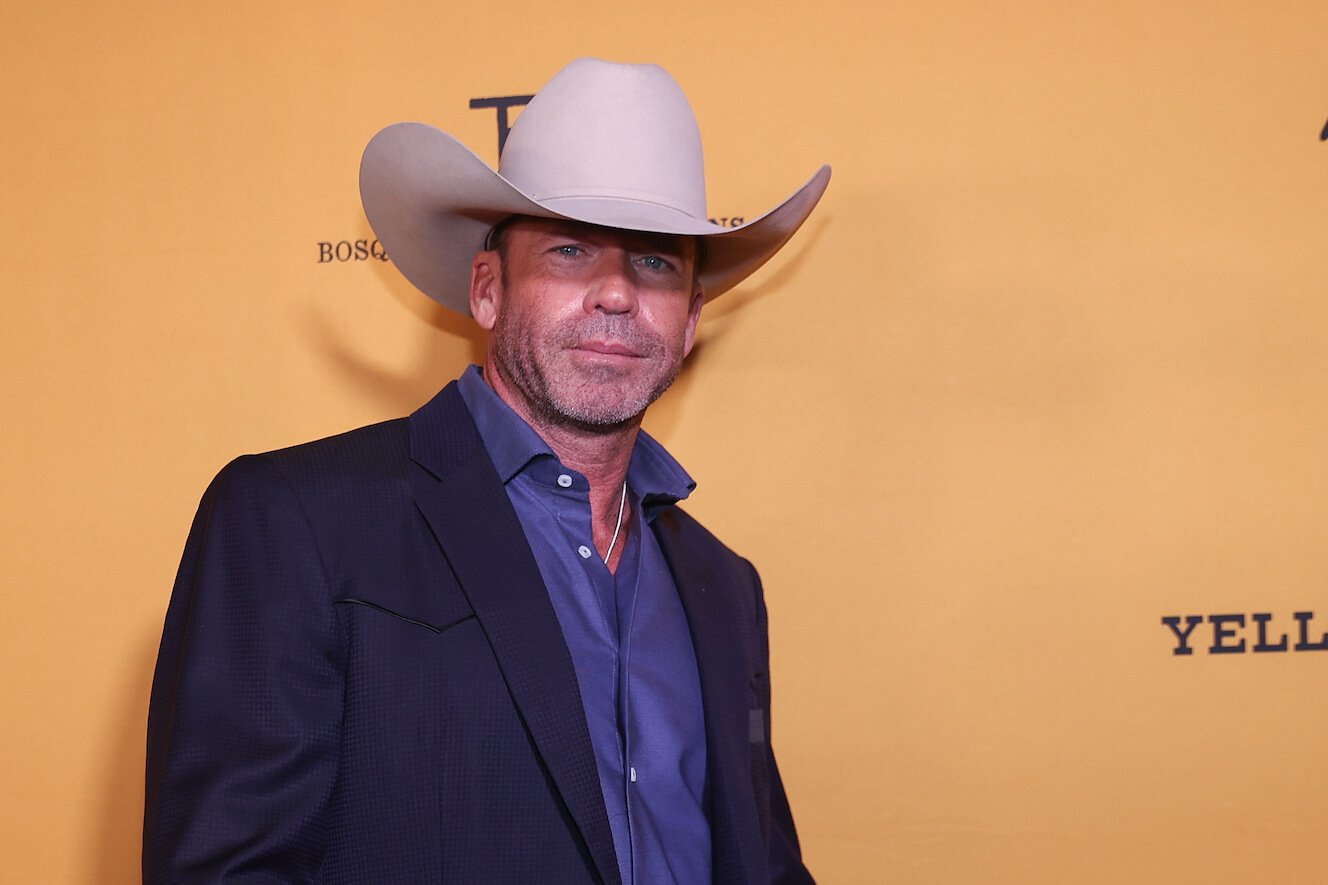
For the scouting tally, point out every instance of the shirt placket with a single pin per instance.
(572, 514)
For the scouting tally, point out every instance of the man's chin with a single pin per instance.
(603, 415)
(597, 396)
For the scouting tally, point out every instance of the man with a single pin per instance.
(483, 644)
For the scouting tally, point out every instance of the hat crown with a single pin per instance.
(600, 130)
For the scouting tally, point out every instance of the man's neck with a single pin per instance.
(602, 457)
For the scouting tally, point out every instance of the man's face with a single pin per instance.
(588, 325)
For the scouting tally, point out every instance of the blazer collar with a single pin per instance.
(468, 511)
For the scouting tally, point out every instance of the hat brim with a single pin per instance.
(431, 201)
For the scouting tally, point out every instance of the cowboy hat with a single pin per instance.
(609, 144)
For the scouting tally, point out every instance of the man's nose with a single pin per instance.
(614, 288)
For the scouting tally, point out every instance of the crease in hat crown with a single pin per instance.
(609, 144)
(609, 131)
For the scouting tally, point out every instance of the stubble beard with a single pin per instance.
(593, 399)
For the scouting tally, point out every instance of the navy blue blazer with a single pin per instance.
(362, 680)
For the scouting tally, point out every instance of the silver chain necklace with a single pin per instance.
(622, 506)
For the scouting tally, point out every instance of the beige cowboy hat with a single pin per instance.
(609, 144)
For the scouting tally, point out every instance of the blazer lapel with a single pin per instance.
(473, 520)
(736, 843)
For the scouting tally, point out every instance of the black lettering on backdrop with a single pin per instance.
(501, 104)
(1305, 645)
(350, 250)
(1221, 632)
(1228, 638)
(1262, 619)
(1183, 636)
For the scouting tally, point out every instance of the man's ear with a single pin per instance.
(486, 288)
(693, 317)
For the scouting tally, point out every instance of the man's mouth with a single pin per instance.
(608, 348)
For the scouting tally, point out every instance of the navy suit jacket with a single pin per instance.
(362, 680)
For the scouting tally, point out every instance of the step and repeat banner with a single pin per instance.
(1027, 429)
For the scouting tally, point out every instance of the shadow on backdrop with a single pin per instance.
(401, 393)
(717, 319)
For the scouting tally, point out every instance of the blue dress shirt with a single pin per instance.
(628, 637)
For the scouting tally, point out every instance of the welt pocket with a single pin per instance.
(432, 625)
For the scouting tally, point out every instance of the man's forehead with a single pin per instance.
(580, 230)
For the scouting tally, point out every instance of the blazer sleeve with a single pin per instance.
(785, 854)
(244, 720)
(786, 866)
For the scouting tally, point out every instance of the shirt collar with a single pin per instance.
(653, 474)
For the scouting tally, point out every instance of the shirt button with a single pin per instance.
(584, 551)
(565, 481)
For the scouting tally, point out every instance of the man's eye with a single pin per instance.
(568, 250)
(655, 262)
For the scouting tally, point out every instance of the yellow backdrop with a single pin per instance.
(1047, 367)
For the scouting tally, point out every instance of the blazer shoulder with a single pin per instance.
(331, 479)
(373, 450)
(688, 533)
(376, 454)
